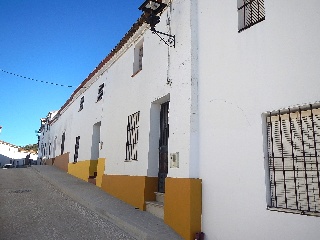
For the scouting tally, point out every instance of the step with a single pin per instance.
(159, 197)
(155, 208)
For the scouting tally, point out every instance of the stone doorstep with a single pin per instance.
(155, 208)
(159, 197)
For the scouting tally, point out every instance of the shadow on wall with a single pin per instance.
(15, 161)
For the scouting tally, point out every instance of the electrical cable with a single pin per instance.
(32, 79)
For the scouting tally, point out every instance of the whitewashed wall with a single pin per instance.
(125, 95)
(145, 92)
(78, 123)
(10, 152)
(271, 65)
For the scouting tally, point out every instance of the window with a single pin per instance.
(100, 92)
(293, 158)
(132, 136)
(81, 103)
(76, 149)
(138, 56)
(62, 142)
(250, 12)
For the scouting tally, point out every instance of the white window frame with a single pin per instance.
(138, 58)
(292, 152)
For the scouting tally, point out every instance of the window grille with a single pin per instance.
(293, 158)
(62, 142)
(76, 149)
(132, 136)
(100, 92)
(81, 103)
(250, 12)
(140, 57)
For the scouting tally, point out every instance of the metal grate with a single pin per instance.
(81, 103)
(140, 57)
(76, 149)
(62, 142)
(132, 136)
(293, 153)
(100, 92)
(250, 12)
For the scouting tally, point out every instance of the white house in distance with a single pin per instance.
(12, 154)
(240, 92)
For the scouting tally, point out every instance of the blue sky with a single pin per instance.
(58, 41)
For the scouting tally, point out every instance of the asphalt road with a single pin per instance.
(32, 208)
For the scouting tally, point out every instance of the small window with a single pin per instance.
(100, 92)
(81, 103)
(293, 142)
(250, 12)
(138, 58)
(76, 149)
(62, 142)
(132, 136)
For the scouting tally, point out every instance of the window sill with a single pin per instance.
(136, 72)
(285, 210)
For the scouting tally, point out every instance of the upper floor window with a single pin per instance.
(138, 56)
(293, 142)
(100, 92)
(250, 12)
(81, 103)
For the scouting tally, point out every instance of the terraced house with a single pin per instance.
(206, 113)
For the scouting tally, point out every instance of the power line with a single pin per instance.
(32, 79)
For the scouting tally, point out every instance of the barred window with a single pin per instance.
(293, 159)
(81, 103)
(76, 149)
(250, 12)
(140, 57)
(63, 138)
(100, 92)
(132, 136)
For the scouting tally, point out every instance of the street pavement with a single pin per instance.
(32, 208)
(43, 202)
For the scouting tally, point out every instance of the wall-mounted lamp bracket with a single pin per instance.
(171, 41)
(151, 9)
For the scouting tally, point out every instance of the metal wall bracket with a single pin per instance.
(171, 41)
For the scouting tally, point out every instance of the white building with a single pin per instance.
(10, 153)
(243, 141)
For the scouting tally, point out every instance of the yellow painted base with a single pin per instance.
(83, 169)
(100, 171)
(183, 206)
(134, 190)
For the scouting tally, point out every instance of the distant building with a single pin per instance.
(10, 153)
(225, 126)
